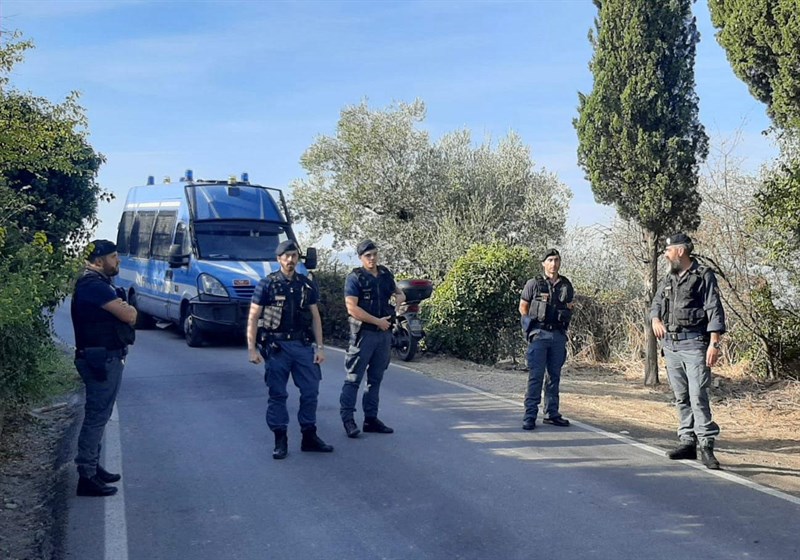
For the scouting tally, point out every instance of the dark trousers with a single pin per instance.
(100, 398)
(294, 358)
(369, 353)
(547, 352)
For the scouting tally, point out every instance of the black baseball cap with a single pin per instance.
(678, 239)
(100, 248)
(364, 246)
(285, 247)
(550, 253)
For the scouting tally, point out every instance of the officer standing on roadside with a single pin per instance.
(367, 292)
(285, 303)
(103, 324)
(546, 308)
(687, 314)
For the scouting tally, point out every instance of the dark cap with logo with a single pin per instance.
(550, 253)
(679, 239)
(364, 246)
(285, 247)
(99, 248)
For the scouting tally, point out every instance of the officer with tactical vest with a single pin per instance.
(283, 321)
(687, 314)
(367, 292)
(103, 324)
(546, 308)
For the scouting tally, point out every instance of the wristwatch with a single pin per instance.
(716, 345)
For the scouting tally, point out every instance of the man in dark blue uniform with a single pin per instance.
(687, 315)
(103, 324)
(367, 292)
(545, 307)
(283, 321)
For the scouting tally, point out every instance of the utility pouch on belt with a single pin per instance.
(96, 360)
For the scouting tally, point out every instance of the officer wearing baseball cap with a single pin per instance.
(103, 323)
(283, 321)
(545, 308)
(687, 316)
(367, 292)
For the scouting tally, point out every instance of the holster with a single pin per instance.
(96, 360)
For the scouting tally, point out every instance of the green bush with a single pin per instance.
(35, 279)
(474, 313)
(330, 282)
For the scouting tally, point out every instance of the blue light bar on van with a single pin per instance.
(245, 177)
(189, 175)
(151, 180)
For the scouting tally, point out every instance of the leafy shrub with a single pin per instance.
(330, 282)
(474, 314)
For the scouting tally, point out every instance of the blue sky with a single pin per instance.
(230, 86)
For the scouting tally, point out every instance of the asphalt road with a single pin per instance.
(458, 480)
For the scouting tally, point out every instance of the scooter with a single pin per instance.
(407, 328)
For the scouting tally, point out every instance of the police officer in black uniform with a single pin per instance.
(687, 314)
(283, 321)
(103, 324)
(367, 292)
(545, 308)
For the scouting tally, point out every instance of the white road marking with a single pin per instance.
(644, 447)
(116, 528)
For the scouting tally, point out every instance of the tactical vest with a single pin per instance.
(289, 311)
(684, 301)
(94, 326)
(370, 299)
(553, 312)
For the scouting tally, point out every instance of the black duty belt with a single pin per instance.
(292, 335)
(114, 353)
(684, 335)
(549, 327)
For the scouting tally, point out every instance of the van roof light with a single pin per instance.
(232, 180)
(245, 177)
(189, 175)
(167, 180)
(151, 180)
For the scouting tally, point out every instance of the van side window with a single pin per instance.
(141, 232)
(182, 238)
(162, 234)
(124, 233)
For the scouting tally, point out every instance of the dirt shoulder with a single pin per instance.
(760, 423)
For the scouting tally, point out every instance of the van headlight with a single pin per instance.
(210, 286)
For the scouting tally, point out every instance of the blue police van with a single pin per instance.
(193, 251)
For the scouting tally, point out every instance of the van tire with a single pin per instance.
(193, 336)
(143, 320)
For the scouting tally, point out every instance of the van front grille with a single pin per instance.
(244, 291)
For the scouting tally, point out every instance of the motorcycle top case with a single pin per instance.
(416, 290)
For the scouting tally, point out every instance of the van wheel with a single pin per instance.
(143, 320)
(191, 333)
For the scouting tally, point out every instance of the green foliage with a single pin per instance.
(48, 203)
(639, 134)
(330, 281)
(762, 41)
(424, 204)
(33, 279)
(474, 313)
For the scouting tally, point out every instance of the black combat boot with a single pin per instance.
(351, 429)
(106, 476)
(707, 455)
(281, 445)
(94, 487)
(312, 442)
(683, 451)
(376, 426)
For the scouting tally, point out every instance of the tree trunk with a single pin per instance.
(651, 354)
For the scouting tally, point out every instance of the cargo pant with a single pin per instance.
(369, 352)
(100, 397)
(295, 358)
(547, 352)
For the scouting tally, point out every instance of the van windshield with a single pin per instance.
(233, 202)
(238, 240)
